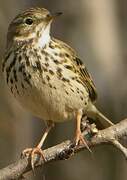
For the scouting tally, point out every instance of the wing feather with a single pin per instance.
(79, 68)
(86, 79)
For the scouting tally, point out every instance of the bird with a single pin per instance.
(47, 77)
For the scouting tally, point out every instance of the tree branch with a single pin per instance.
(66, 149)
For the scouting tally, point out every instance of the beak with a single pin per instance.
(54, 16)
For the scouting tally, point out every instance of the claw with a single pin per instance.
(26, 152)
(31, 152)
(81, 140)
(79, 137)
(36, 151)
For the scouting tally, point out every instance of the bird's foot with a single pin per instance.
(30, 152)
(80, 140)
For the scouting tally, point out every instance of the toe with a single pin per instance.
(81, 140)
(26, 152)
(36, 151)
(30, 152)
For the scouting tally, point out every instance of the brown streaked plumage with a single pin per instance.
(46, 76)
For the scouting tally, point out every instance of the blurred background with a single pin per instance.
(98, 31)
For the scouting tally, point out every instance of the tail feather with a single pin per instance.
(100, 120)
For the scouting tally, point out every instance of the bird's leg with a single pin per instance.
(79, 137)
(37, 149)
(50, 125)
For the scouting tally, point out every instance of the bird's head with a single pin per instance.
(32, 24)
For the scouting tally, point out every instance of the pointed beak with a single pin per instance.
(54, 16)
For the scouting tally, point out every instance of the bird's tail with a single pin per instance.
(100, 120)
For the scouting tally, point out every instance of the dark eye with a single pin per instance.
(48, 15)
(29, 21)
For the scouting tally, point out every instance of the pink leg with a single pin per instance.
(37, 149)
(79, 137)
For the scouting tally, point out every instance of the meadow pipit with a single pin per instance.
(46, 76)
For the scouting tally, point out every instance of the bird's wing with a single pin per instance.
(81, 69)
(86, 78)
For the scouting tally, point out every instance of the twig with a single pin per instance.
(67, 149)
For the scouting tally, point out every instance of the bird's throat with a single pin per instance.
(44, 37)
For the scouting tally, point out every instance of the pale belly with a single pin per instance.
(48, 93)
(56, 100)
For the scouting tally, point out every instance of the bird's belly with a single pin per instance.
(54, 100)
(47, 90)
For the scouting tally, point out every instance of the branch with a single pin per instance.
(67, 149)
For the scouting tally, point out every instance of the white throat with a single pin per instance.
(45, 37)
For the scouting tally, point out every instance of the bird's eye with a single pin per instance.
(29, 21)
(48, 15)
